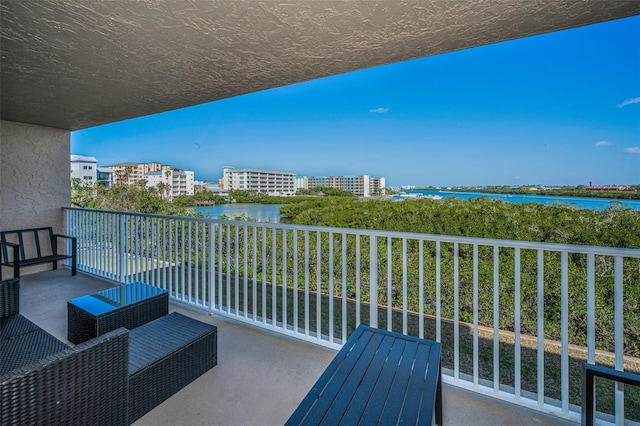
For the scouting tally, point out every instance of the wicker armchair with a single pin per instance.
(87, 384)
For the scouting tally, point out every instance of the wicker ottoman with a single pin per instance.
(165, 355)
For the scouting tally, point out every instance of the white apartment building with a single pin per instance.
(129, 173)
(105, 176)
(266, 181)
(177, 182)
(301, 183)
(84, 168)
(362, 186)
(377, 186)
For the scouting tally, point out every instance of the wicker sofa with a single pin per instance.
(113, 379)
(44, 381)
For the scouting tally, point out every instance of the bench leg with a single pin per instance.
(55, 265)
(439, 398)
(74, 257)
(588, 396)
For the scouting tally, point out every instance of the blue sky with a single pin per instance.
(554, 109)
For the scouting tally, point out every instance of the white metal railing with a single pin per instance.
(516, 319)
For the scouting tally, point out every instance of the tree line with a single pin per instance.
(497, 219)
(480, 217)
(155, 199)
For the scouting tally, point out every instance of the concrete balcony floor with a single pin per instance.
(260, 378)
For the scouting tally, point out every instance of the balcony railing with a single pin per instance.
(516, 319)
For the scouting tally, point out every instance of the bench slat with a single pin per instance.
(379, 393)
(398, 390)
(363, 392)
(339, 394)
(417, 386)
(21, 244)
(36, 237)
(44, 259)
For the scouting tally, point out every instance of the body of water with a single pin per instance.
(577, 202)
(271, 212)
(260, 212)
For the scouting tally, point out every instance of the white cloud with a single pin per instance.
(602, 143)
(379, 110)
(629, 101)
(633, 150)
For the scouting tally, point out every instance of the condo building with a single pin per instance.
(176, 182)
(84, 168)
(265, 181)
(105, 176)
(362, 186)
(129, 173)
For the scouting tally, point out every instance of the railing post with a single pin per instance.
(564, 331)
(618, 312)
(67, 232)
(540, 313)
(121, 244)
(373, 280)
(212, 268)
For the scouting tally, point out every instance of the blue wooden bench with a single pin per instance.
(36, 245)
(378, 377)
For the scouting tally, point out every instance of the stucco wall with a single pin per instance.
(34, 176)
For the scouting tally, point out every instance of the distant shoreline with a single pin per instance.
(589, 203)
(559, 192)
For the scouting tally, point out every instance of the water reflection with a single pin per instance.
(259, 212)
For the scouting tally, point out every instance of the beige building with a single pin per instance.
(266, 181)
(129, 173)
(177, 182)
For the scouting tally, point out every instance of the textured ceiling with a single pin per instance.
(73, 64)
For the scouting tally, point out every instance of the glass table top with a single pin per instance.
(114, 298)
